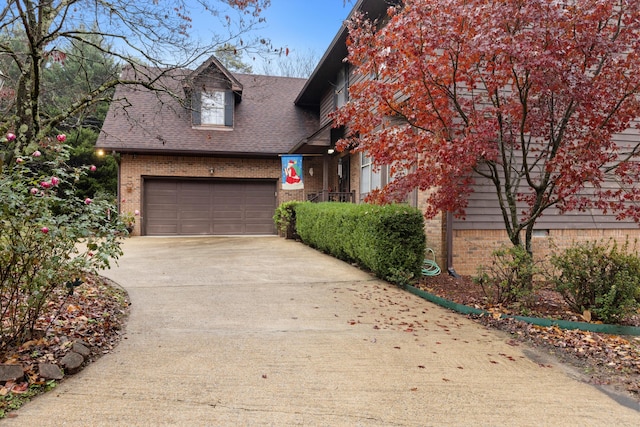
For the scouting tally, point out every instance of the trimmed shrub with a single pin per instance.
(388, 240)
(601, 278)
(509, 279)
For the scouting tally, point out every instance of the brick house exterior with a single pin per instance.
(168, 157)
(460, 245)
(182, 176)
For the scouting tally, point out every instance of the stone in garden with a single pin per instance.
(81, 349)
(11, 372)
(72, 362)
(49, 371)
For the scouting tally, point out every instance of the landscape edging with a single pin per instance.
(562, 324)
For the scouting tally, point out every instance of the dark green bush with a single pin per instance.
(285, 219)
(509, 279)
(388, 240)
(601, 278)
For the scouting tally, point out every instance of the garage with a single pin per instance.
(207, 207)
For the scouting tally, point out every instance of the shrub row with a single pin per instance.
(388, 240)
(602, 278)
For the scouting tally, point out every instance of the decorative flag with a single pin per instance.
(292, 173)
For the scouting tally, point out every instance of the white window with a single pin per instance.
(342, 88)
(212, 108)
(370, 179)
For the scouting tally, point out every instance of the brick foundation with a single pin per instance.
(472, 248)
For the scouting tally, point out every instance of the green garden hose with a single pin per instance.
(429, 266)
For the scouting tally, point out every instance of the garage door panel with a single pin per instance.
(194, 228)
(184, 207)
(162, 230)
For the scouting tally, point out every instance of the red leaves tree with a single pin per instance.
(527, 94)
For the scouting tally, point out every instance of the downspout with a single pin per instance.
(118, 194)
(449, 245)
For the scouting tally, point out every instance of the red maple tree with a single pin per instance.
(528, 95)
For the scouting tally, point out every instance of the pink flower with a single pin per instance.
(55, 180)
(93, 168)
(37, 153)
(19, 160)
(34, 191)
(45, 230)
(62, 137)
(11, 137)
(136, 212)
(45, 184)
(90, 253)
(87, 201)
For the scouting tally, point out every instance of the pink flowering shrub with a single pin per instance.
(50, 237)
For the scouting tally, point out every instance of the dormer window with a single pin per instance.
(213, 108)
(214, 93)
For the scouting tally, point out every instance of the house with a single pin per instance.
(203, 157)
(460, 245)
(209, 161)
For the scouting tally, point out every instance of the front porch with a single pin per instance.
(332, 196)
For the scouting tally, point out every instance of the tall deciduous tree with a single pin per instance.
(144, 34)
(527, 95)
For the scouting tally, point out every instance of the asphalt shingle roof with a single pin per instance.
(266, 121)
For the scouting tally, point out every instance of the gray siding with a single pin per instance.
(483, 212)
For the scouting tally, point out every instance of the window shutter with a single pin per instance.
(229, 104)
(195, 108)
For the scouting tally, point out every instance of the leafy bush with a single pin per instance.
(49, 239)
(601, 278)
(285, 219)
(388, 240)
(509, 279)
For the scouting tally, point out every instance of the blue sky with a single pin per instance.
(304, 26)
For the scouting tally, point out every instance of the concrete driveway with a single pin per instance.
(268, 332)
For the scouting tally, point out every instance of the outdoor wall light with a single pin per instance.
(331, 151)
(310, 171)
(211, 170)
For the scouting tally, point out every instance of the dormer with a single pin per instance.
(214, 93)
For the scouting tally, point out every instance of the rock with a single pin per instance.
(81, 349)
(11, 372)
(72, 362)
(49, 371)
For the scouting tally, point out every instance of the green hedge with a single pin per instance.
(388, 240)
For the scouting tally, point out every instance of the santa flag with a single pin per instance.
(292, 173)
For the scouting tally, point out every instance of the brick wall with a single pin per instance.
(134, 167)
(472, 248)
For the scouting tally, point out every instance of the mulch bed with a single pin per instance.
(604, 359)
(94, 314)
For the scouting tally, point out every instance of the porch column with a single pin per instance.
(325, 176)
